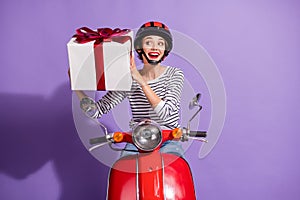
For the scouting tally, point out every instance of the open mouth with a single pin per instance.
(153, 55)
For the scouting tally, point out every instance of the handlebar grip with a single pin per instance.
(197, 133)
(98, 140)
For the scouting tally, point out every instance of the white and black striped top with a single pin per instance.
(167, 86)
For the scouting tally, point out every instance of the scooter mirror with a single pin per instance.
(195, 101)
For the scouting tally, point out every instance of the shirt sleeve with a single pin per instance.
(170, 104)
(108, 102)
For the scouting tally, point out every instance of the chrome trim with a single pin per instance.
(163, 174)
(108, 183)
(137, 178)
(136, 132)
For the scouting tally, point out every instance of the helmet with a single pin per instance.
(153, 28)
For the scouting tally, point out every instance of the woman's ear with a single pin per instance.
(167, 46)
(139, 51)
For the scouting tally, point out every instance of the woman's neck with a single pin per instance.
(150, 72)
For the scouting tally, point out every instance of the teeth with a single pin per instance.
(154, 54)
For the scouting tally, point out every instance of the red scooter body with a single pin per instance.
(151, 176)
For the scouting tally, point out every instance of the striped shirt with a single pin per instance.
(167, 86)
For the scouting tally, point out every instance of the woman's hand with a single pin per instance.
(135, 73)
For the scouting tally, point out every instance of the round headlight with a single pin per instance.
(147, 135)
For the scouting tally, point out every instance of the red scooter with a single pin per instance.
(151, 174)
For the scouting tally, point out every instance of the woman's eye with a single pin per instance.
(148, 42)
(161, 43)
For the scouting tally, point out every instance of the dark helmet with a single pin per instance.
(153, 28)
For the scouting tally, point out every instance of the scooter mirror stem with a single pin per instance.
(189, 122)
(100, 124)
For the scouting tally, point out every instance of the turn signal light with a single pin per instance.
(118, 136)
(177, 133)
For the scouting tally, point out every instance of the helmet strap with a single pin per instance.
(151, 62)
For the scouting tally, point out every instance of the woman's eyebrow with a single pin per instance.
(148, 37)
(151, 38)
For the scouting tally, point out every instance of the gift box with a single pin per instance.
(100, 59)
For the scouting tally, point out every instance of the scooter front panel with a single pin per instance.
(153, 176)
(150, 178)
(123, 180)
(178, 181)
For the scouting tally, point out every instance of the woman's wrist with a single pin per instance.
(143, 84)
(80, 94)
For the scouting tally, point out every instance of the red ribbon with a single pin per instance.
(84, 35)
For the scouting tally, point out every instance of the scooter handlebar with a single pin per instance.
(197, 133)
(98, 140)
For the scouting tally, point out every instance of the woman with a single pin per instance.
(156, 89)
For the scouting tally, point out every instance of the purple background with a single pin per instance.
(255, 45)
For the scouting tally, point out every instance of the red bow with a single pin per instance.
(85, 34)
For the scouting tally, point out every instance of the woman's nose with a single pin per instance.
(154, 46)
